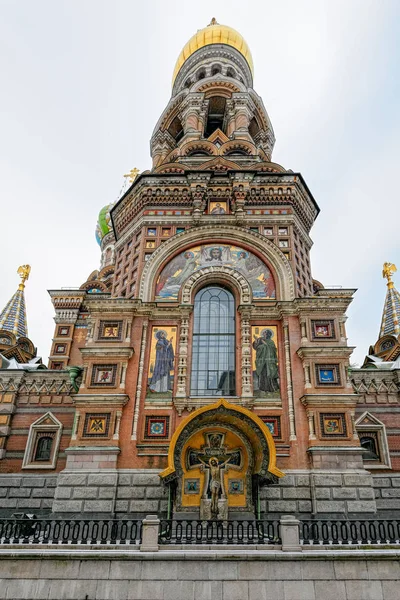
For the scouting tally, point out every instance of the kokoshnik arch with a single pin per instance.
(201, 369)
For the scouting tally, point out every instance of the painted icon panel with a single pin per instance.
(162, 362)
(218, 208)
(266, 382)
(182, 266)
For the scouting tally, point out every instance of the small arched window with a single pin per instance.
(215, 70)
(216, 115)
(230, 73)
(370, 446)
(43, 448)
(213, 356)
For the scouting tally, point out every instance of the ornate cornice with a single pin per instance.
(318, 400)
(317, 351)
(101, 398)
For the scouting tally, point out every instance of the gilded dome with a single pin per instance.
(103, 222)
(214, 34)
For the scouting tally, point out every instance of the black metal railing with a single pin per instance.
(193, 531)
(349, 532)
(69, 531)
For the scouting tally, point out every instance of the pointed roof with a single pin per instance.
(390, 324)
(13, 315)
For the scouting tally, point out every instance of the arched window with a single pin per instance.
(43, 448)
(215, 116)
(369, 445)
(213, 356)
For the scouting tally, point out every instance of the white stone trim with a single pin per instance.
(39, 427)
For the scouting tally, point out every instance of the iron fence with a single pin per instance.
(69, 531)
(349, 532)
(192, 531)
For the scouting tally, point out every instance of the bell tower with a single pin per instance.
(213, 109)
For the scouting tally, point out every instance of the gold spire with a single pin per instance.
(13, 315)
(23, 271)
(390, 324)
(214, 33)
(133, 173)
(388, 270)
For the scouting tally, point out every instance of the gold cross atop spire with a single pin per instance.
(133, 173)
(23, 271)
(387, 272)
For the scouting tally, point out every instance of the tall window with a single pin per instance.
(43, 448)
(213, 357)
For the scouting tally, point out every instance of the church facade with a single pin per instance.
(202, 370)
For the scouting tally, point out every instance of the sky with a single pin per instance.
(85, 81)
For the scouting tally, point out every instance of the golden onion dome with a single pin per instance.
(214, 33)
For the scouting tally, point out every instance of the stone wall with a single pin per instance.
(140, 492)
(326, 493)
(123, 492)
(237, 574)
(387, 494)
(27, 493)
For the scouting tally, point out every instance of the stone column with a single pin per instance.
(182, 361)
(289, 534)
(75, 425)
(140, 379)
(292, 427)
(117, 425)
(307, 377)
(150, 529)
(246, 354)
(303, 330)
(311, 426)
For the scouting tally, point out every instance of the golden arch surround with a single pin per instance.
(282, 272)
(227, 412)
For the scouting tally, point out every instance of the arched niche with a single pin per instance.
(219, 414)
(248, 240)
(223, 275)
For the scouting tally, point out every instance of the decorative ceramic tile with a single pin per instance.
(235, 486)
(104, 375)
(322, 330)
(274, 425)
(97, 425)
(192, 486)
(327, 374)
(110, 330)
(63, 330)
(60, 349)
(157, 427)
(333, 425)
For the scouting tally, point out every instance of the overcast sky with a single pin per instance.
(85, 81)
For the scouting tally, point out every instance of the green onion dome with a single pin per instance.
(103, 222)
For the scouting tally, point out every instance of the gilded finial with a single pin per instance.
(133, 173)
(212, 22)
(23, 271)
(387, 272)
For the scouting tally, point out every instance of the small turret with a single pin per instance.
(387, 348)
(15, 347)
